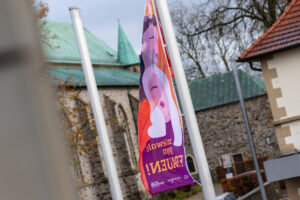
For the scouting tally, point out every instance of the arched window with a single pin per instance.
(134, 104)
(191, 164)
(124, 123)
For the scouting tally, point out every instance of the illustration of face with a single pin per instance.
(153, 86)
(157, 89)
(158, 97)
(150, 45)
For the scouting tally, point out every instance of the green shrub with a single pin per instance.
(179, 193)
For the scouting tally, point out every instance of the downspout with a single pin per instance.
(255, 69)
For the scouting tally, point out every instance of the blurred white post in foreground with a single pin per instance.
(185, 99)
(96, 106)
(34, 163)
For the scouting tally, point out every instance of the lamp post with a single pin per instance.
(252, 147)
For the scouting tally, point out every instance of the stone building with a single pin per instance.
(278, 52)
(215, 101)
(221, 122)
(118, 90)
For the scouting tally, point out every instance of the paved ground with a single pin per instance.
(218, 189)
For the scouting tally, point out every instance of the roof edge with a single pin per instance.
(80, 63)
(257, 57)
(230, 102)
(244, 54)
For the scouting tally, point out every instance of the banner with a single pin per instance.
(162, 157)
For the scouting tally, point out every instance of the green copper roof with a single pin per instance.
(62, 47)
(220, 89)
(206, 93)
(126, 54)
(104, 77)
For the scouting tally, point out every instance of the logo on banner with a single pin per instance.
(162, 158)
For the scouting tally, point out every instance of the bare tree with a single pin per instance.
(191, 48)
(229, 15)
(213, 33)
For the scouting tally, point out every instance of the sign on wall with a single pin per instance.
(226, 160)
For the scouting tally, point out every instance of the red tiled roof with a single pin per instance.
(284, 34)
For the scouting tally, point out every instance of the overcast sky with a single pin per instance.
(101, 17)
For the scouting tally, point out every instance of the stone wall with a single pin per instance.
(87, 160)
(223, 131)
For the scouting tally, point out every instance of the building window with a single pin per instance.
(191, 164)
(237, 158)
(238, 163)
(134, 104)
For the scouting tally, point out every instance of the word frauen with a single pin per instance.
(164, 165)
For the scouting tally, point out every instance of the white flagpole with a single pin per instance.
(186, 101)
(96, 106)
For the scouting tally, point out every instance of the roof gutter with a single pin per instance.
(253, 68)
(260, 56)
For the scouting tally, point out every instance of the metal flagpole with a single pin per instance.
(96, 106)
(252, 147)
(186, 101)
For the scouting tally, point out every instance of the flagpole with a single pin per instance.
(96, 106)
(252, 147)
(186, 101)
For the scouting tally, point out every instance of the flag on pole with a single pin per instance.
(162, 157)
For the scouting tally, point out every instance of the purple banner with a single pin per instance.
(162, 157)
